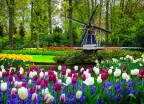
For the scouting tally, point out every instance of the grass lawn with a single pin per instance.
(43, 58)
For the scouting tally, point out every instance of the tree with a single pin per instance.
(11, 5)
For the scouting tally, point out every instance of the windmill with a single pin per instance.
(89, 37)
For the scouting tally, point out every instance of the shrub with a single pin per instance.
(81, 57)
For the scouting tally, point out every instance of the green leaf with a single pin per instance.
(132, 95)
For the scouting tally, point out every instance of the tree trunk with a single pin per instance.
(107, 20)
(11, 21)
(70, 24)
(100, 17)
(32, 27)
(49, 16)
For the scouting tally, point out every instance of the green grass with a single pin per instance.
(43, 58)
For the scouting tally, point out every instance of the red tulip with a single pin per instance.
(38, 82)
(124, 68)
(20, 76)
(24, 84)
(36, 77)
(62, 98)
(11, 72)
(74, 80)
(43, 84)
(57, 87)
(141, 72)
(140, 76)
(10, 78)
(32, 90)
(75, 75)
(69, 74)
(84, 77)
(103, 76)
(90, 70)
(63, 72)
(9, 66)
(102, 70)
(13, 91)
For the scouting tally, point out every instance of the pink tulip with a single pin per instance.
(69, 74)
(75, 75)
(35, 77)
(84, 77)
(24, 84)
(34, 97)
(124, 68)
(38, 82)
(20, 76)
(11, 72)
(103, 76)
(62, 98)
(74, 80)
(10, 78)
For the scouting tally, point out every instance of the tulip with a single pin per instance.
(43, 83)
(124, 68)
(38, 87)
(99, 80)
(48, 99)
(110, 71)
(74, 80)
(75, 75)
(30, 81)
(84, 77)
(46, 74)
(22, 93)
(125, 76)
(20, 76)
(45, 91)
(62, 98)
(59, 67)
(13, 91)
(63, 72)
(141, 72)
(90, 70)
(102, 70)
(21, 70)
(140, 76)
(3, 86)
(31, 74)
(24, 84)
(68, 80)
(32, 90)
(0, 74)
(2, 67)
(76, 67)
(78, 94)
(34, 97)
(69, 74)
(68, 71)
(117, 73)
(36, 77)
(10, 78)
(57, 87)
(103, 76)
(38, 82)
(96, 70)
(11, 72)
(89, 81)
(41, 74)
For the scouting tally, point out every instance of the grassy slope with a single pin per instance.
(43, 58)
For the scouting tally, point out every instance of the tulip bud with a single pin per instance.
(2, 67)
(31, 74)
(62, 98)
(81, 70)
(38, 82)
(89, 81)
(3, 86)
(10, 78)
(124, 76)
(22, 93)
(84, 77)
(68, 71)
(20, 76)
(13, 91)
(45, 91)
(21, 70)
(59, 67)
(76, 67)
(41, 74)
(103, 76)
(74, 80)
(99, 80)
(34, 97)
(46, 74)
(30, 81)
(36, 77)
(110, 71)
(32, 90)
(57, 87)
(78, 94)
(24, 84)
(38, 87)
(124, 68)
(48, 99)
(68, 80)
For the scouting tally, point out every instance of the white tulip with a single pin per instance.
(89, 81)
(34, 73)
(60, 81)
(3, 86)
(38, 87)
(45, 91)
(55, 73)
(0, 74)
(76, 67)
(13, 91)
(96, 70)
(41, 74)
(31, 74)
(23, 93)
(136, 71)
(78, 94)
(81, 69)
(68, 71)
(124, 76)
(59, 67)
(30, 81)
(2, 67)
(132, 72)
(21, 70)
(3, 70)
(110, 71)
(117, 73)
(99, 80)
(49, 99)
(68, 80)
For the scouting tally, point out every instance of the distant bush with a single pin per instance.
(37, 52)
(84, 58)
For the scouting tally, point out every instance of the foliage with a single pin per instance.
(86, 58)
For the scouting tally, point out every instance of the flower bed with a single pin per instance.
(58, 48)
(15, 59)
(111, 81)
